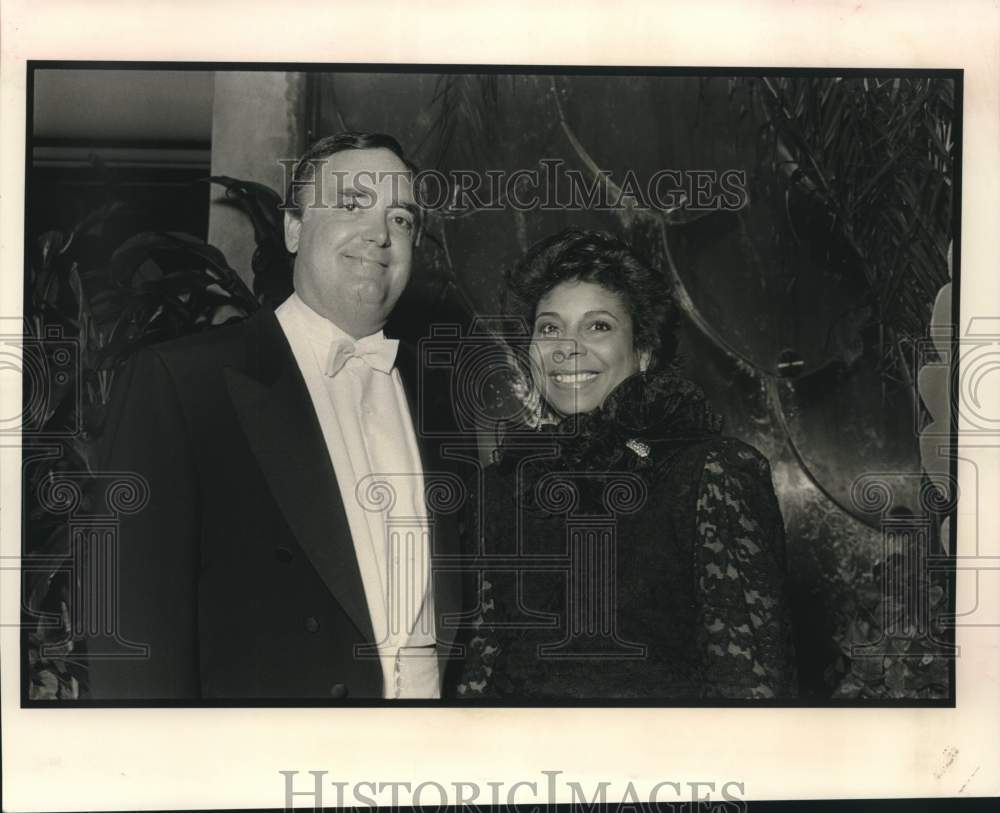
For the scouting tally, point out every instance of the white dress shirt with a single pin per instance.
(369, 436)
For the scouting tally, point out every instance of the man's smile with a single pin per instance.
(366, 262)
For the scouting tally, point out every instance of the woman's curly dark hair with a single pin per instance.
(605, 259)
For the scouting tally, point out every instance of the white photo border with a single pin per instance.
(230, 758)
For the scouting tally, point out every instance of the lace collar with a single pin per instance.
(645, 411)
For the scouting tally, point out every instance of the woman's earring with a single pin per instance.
(644, 357)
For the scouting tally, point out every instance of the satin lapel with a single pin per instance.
(278, 419)
(439, 478)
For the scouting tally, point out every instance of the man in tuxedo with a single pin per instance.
(285, 549)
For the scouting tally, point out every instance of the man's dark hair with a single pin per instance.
(605, 259)
(305, 168)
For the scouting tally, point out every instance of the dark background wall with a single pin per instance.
(141, 137)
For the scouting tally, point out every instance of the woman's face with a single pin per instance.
(582, 346)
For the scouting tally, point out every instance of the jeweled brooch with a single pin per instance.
(637, 446)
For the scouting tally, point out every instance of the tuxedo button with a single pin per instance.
(283, 555)
(312, 624)
(338, 690)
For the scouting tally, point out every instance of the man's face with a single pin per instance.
(354, 250)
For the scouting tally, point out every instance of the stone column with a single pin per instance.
(258, 118)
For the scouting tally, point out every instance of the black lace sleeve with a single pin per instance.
(744, 629)
(481, 648)
(476, 680)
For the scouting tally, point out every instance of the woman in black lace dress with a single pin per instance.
(627, 549)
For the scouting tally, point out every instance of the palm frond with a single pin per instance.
(878, 154)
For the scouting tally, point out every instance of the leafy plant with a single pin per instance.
(896, 645)
(271, 263)
(871, 161)
(105, 301)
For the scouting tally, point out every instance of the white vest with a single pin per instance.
(369, 436)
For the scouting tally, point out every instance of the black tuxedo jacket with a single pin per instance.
(240, 572)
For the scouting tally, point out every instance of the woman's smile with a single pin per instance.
(574, 380)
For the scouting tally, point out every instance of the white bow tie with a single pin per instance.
(376, 351)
